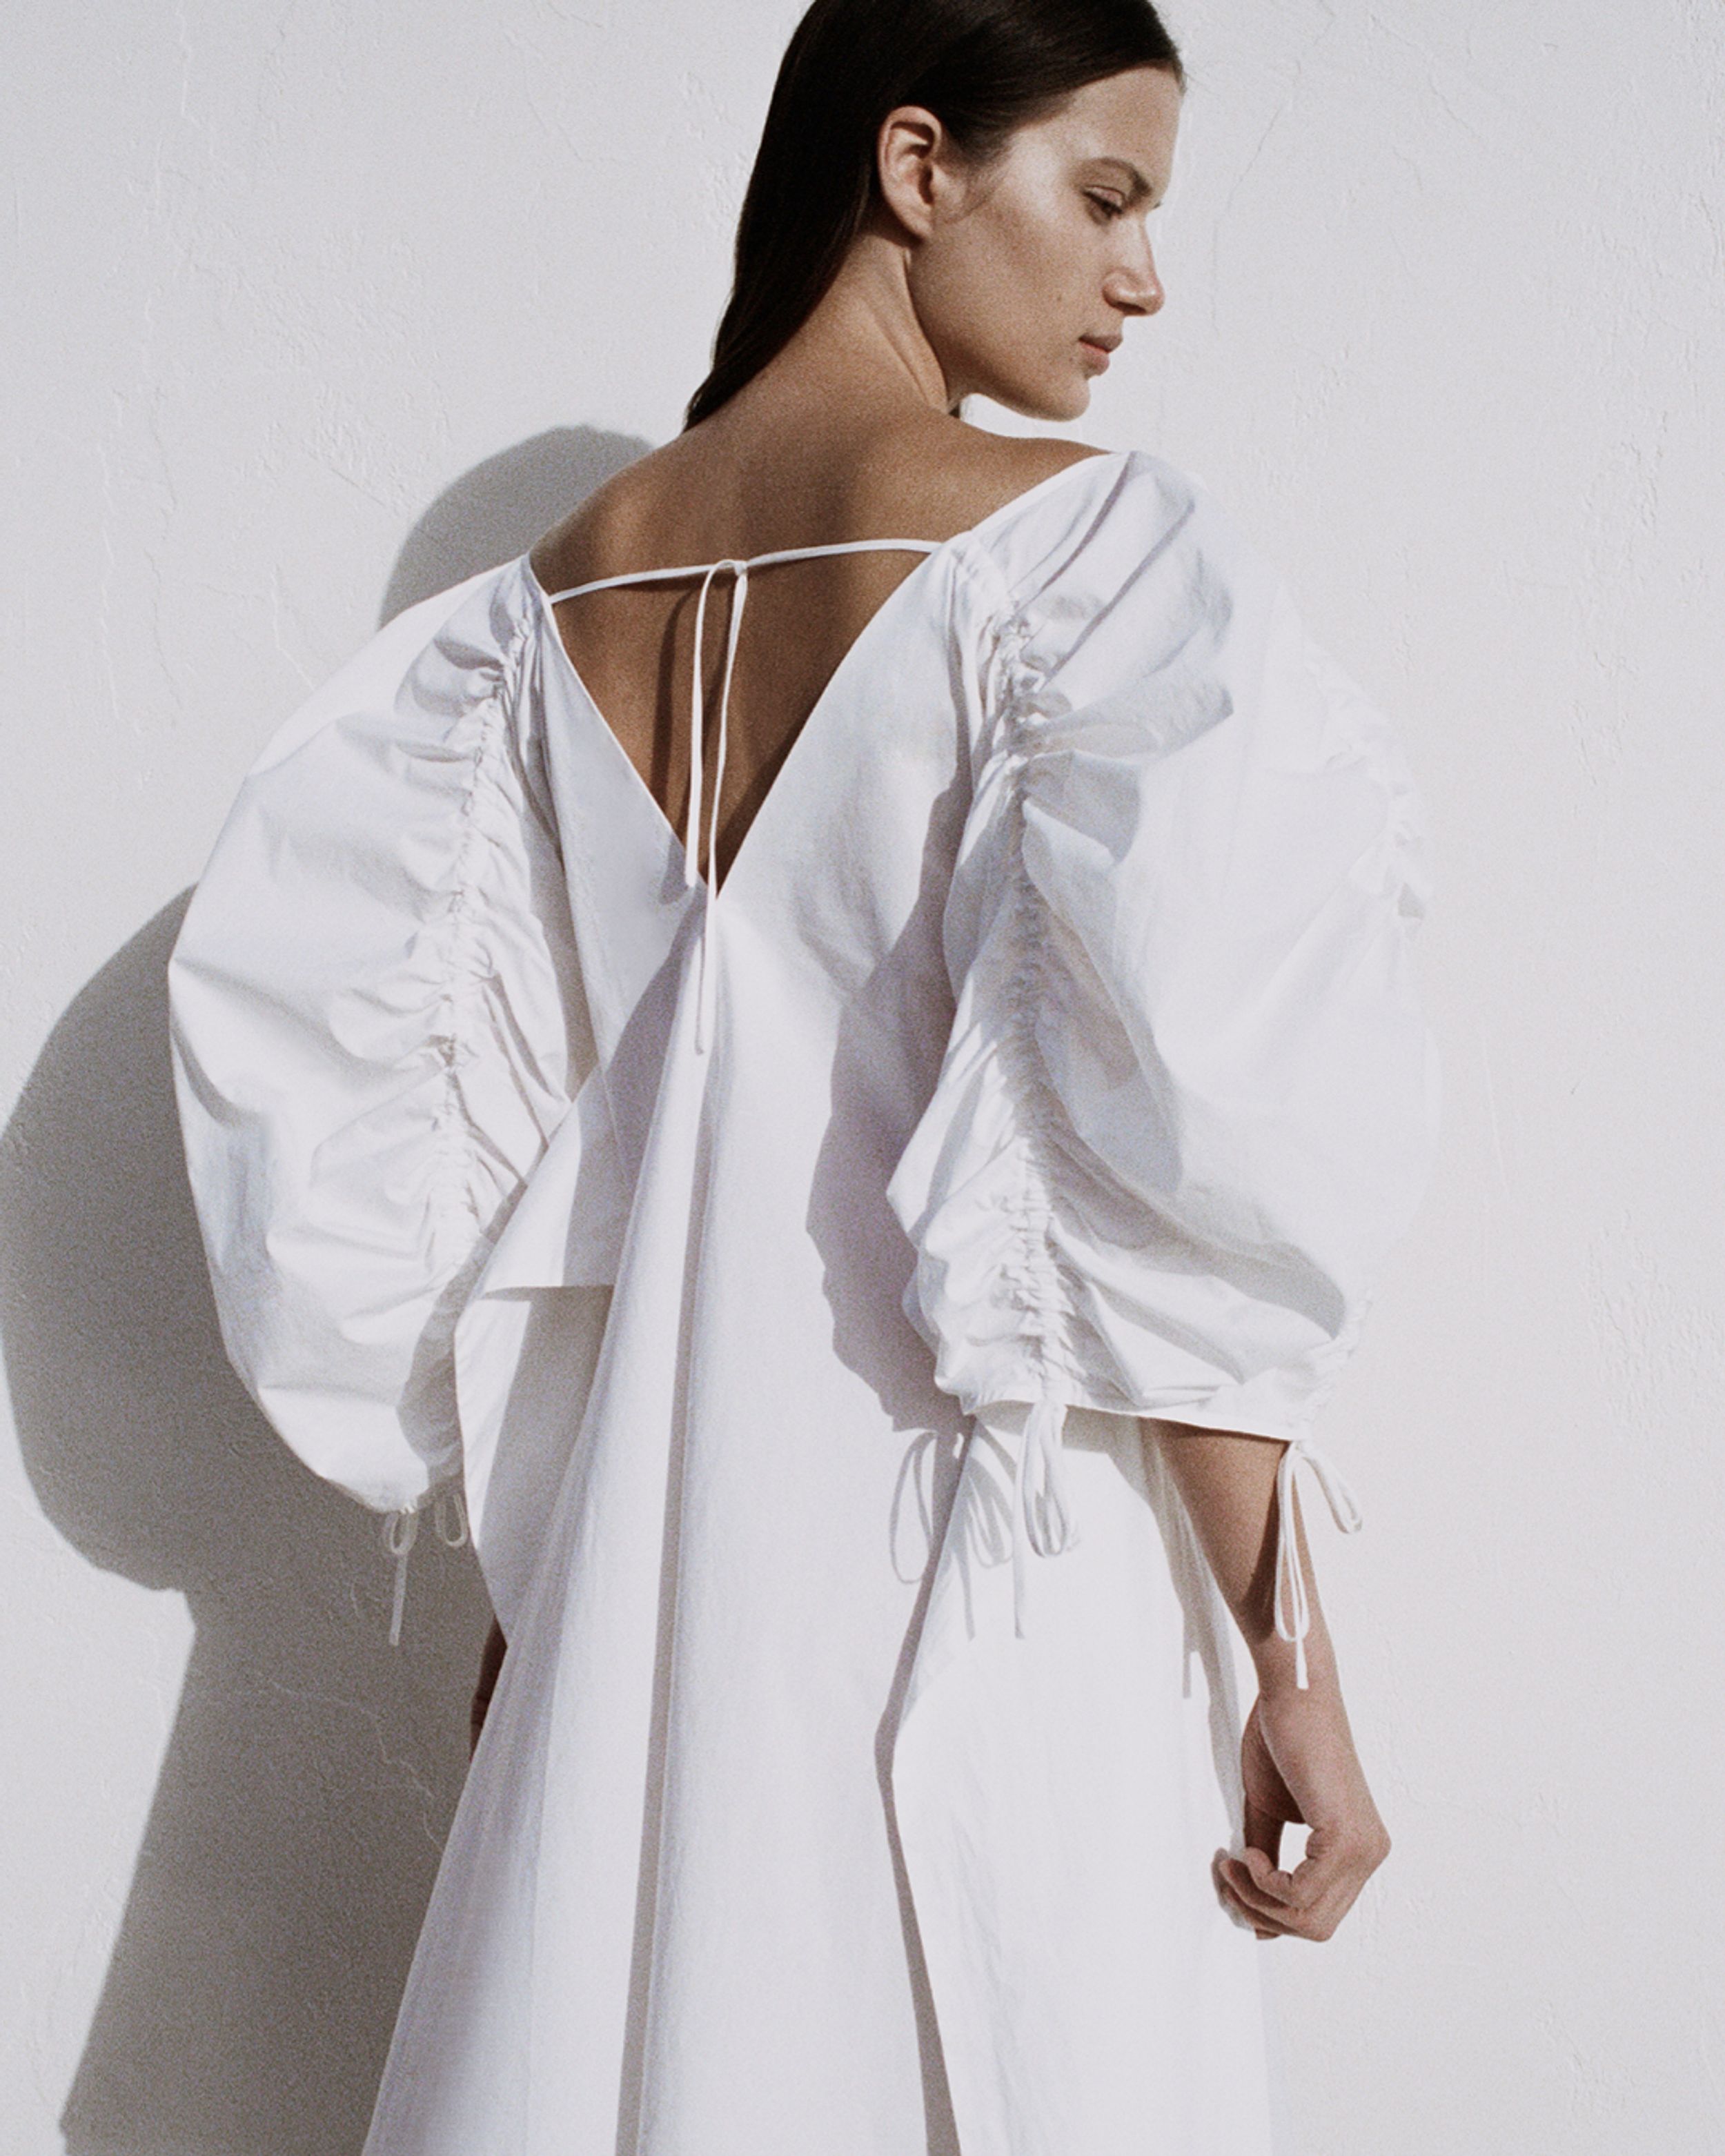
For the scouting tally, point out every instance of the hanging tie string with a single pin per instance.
(401, 1530)
(706, 988)
(1293, 1609)
(707, 982)
(1043, 1518)
(1041, 1511)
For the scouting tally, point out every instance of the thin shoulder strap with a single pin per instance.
(750, 561)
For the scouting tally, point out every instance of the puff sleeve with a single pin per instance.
(1189, 1100)
(377, 1024)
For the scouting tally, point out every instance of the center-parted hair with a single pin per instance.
(984, 67)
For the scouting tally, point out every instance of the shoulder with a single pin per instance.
(946, 479)
(1102, 524)
(1109, 575)
(605, 527)
(928, 476)
(425, 673)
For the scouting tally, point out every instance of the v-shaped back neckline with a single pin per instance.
(932, 551)
(693, 875)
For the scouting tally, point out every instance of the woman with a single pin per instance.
(848, 1151)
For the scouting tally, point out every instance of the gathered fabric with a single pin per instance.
(1049, 1061)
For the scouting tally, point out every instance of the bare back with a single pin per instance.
(704, 498)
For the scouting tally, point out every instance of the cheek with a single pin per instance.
(1005, 301)
(1036, 257)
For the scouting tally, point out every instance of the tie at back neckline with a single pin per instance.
(740, 566)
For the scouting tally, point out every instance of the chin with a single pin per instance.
(1069, 402)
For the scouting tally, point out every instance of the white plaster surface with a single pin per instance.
(315, 308)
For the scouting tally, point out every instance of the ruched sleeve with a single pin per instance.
(1190, 1101)
(376, 1026)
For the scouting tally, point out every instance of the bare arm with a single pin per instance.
(490, 1667)
(1298, 1755)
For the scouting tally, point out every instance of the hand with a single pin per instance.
(1299, 1768)
(491, 1662)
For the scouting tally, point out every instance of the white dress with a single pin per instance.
(783, 1276)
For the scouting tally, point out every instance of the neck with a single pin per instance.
(861, 356)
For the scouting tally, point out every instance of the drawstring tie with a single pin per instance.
(1293, 1609)
(401, 1530)
(707, 981)
(1043, 1519)
(707, 985)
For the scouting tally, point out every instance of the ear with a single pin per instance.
(909, 163)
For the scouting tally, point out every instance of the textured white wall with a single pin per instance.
(326, 307)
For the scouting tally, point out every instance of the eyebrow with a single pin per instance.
(1140, 186)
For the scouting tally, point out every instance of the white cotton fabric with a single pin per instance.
(1065, 1068)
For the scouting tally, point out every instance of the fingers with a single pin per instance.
(1298, 1766)
(1265, 1880)
(1255, 1887)
(1261, 1858)
(1307, 1903)
(1263, 1832)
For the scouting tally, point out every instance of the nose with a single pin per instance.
(1136, 288)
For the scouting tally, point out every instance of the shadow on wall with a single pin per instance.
(497, 510)
(312, 1770)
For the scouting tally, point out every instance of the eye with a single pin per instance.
(1107, 202)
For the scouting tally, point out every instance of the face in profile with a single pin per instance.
(1029, 270)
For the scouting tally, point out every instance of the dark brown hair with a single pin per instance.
(982, 67)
